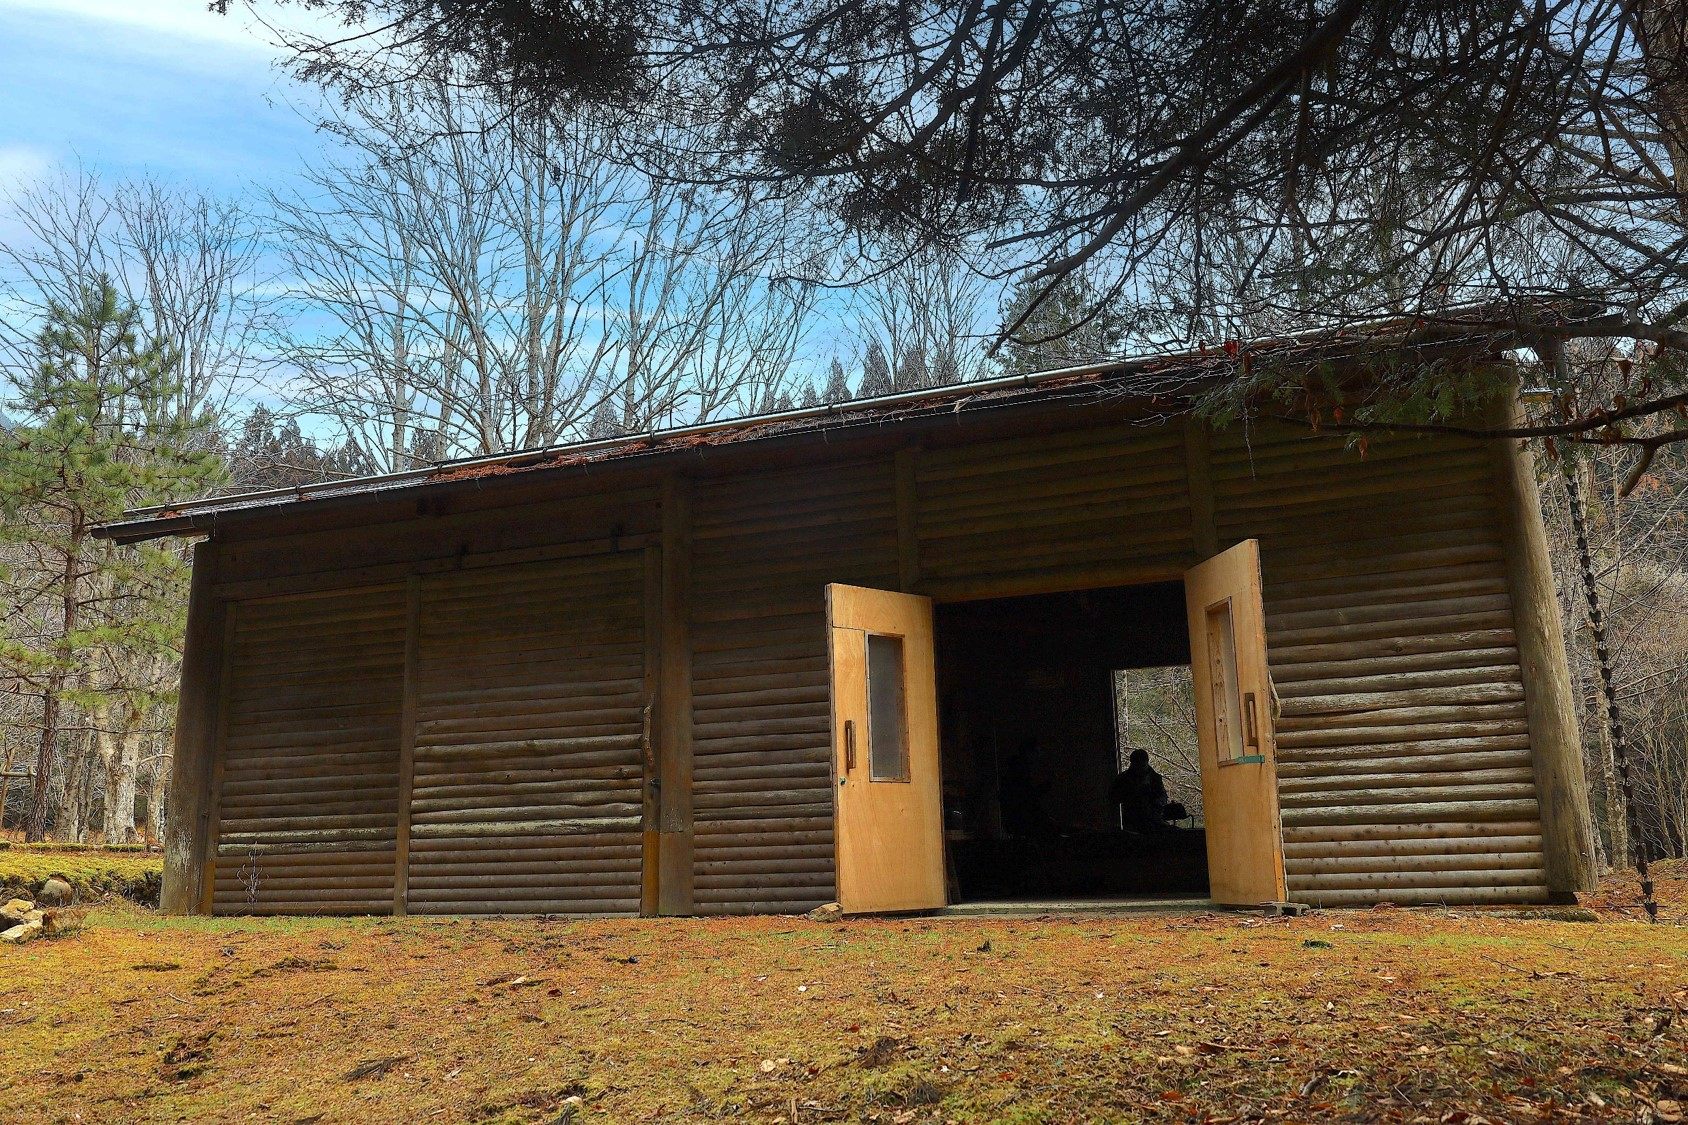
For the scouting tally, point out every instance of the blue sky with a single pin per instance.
(168, 89)
(159, 85)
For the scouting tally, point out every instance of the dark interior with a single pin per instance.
(1026, 711)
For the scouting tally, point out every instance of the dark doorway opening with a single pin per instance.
(1041, 701)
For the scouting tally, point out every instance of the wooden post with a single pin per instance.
(650, 819)
(219, 739)
(673, 725)
(187, 827)
(407, 746)
(1199, 474)
(1550, 711)
(908, 517)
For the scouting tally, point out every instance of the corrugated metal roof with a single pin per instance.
(1172, 378)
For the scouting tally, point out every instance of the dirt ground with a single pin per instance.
(1414, 1015)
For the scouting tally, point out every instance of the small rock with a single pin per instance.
(14, 912)
(23, 932)
(831, 912)
(55, 892)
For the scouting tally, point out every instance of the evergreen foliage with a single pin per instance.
(837, 384)
(876, 372)
(99, 433)
(1070, 326)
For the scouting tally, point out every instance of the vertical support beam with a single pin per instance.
(1549, 707)
(908, 520)
(188, 821)
(219, 739)
(650, 884)
(1198, 473)
(407, 745)
(674, 701)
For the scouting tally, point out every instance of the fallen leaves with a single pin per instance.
(1409, 1016)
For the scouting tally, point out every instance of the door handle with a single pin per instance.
(1251, 720)
(849, 745)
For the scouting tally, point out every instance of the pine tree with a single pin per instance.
(1060, 332)
(837, 385)
(946, 371)
(99, 433)
(876, 372)
(809, 399)
(913, 372)
(605, 422)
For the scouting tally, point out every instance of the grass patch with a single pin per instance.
(1407, 1015)
(94, 873)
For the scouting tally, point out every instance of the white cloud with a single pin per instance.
(22, 164)
(176, 19)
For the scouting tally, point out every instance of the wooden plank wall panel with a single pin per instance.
(1081, 503)
(530, 694)
(1403, 758)
(764, 548)
(308, 801)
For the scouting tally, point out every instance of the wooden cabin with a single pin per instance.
(749, 667)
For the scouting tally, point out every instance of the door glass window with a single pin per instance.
(887, 726)
(1227, 698)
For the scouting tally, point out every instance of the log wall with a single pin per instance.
(471, 732)
(1404, 758)
(1090, 507)
(306, 804)
(763, 548)
(529, 724)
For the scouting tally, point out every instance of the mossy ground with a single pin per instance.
(95, 873)
(1385, 1014)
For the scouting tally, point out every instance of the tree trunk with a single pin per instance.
(1664, 40)
(155, 797)
(36, 830)
(5, 784)
(1611, 795)
(121, 769)
(73, 808)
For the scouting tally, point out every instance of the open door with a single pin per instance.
(889, 841)
(1245, 860)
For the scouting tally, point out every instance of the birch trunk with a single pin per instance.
(122, 764)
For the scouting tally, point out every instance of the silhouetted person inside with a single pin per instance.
(1140, 793)
(1022, 785)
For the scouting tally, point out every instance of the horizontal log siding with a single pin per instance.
(1074, 505)
(1403, 758)
(309, 766)
(764, 547)
(527, 796)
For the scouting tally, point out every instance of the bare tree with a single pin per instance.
(1214, 170)
(1637, 526)
(189, 262)
(927, 313)
(462, 290)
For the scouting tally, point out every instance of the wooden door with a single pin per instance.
(1245, 863)
(890, 845)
